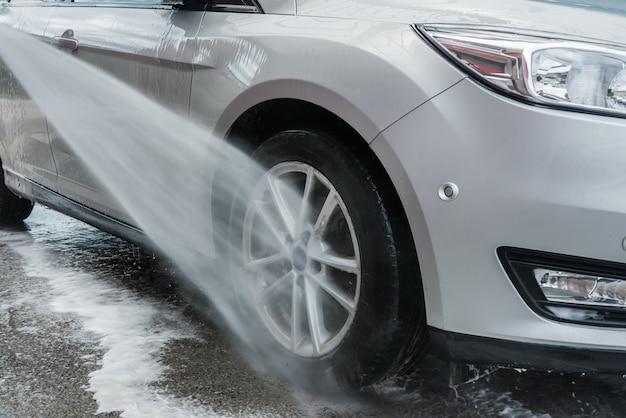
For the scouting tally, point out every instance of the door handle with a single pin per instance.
(66, 41)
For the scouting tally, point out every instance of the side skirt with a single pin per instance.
(39, 194)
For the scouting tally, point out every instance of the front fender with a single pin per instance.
(369, 74)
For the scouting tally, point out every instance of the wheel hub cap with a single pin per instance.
(299, 258)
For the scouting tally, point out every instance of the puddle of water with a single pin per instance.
(132, 330)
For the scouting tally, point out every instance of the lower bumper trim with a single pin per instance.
(490, 351)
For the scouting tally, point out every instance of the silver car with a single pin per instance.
(463, 162)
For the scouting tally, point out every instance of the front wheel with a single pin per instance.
(328, 263)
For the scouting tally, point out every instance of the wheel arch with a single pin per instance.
(262, 121)
(265, 119)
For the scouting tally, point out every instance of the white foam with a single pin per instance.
(131, 330)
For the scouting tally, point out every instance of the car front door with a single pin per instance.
(24, 145)
(146, 43)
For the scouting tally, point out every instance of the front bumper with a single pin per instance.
(527, 177)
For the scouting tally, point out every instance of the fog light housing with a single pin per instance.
(567, 288)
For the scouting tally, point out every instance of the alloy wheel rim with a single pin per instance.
(301, 259)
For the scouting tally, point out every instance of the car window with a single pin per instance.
(234, 2)
(216, 3)
(23, 1)
(212, 2)
(129, 2)
(94, 1)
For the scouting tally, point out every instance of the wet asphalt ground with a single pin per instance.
(52, 359)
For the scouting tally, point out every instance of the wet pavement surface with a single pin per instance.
(92, 325)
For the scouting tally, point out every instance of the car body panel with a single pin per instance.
(528, 186)
(242, 60)
(23, 128)
(147, 47)
(527, 15)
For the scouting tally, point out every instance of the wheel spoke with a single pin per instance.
(280, 201)
(265, 294)
(315, 315)
(269, 221)
(326, 212)
(330, 258)
(307, 201)
(257, 264)
(338, 294)
(297, 298)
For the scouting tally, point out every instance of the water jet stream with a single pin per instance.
(157, 164)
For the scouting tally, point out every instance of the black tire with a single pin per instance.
(13, 209)
(367, 318)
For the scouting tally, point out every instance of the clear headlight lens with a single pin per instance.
(540, 68)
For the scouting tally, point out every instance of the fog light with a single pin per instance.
(560, 286)
(568, 288)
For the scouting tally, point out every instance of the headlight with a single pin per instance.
(542, 69)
